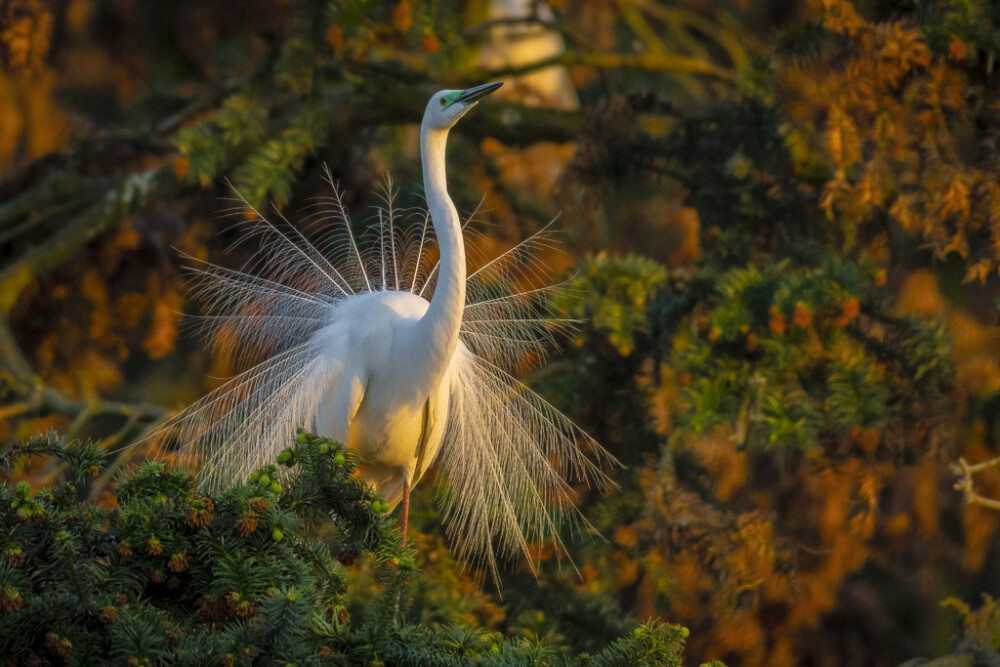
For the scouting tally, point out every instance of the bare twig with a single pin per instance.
(30, 396)
(57, 186)
(36, 398)
(966, 485)
(128, 194)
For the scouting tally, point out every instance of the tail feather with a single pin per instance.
(517, 489)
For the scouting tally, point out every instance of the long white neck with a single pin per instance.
(438, 328)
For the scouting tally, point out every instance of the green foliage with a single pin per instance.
(167, 575)
(331, 56)
(782, 332)
(981, 627)
(651, 644)
(775, 364)
(84, 458)
(270, 171)
(781, 352)
(788, 354)
(971, 22)
(612, 294)
(801, 41)
(734, 161)
(169, 572)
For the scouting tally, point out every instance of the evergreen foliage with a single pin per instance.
(775, 367)
(166, 575)
(787, 385)
(783, 330)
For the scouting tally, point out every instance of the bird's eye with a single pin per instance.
(443, 101)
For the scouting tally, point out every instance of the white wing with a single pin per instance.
(510, 459)
(245, 423)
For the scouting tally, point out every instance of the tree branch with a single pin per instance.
(664, 62)
(967, 486)
(37, 398)
(128, 194)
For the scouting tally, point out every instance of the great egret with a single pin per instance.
(358, 354)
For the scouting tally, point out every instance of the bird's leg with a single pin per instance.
(406, 507)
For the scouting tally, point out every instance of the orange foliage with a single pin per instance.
(777, 322)
(431, 43)
(335, 38)
(104, 319)
(725, 464)
(26, 34)
(625, 536)
(848, 311)
(976, 345)
(719, 572)
(31, 124)
(778, 534)
(926, 502)
(166, 317)
(93, 289)
(402, 15)
(891, 115)
(96, 375)
(979, 525)
(803, 316)
(127, 237)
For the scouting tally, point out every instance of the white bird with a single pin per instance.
(358, 354)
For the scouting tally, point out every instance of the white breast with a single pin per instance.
(378, 404)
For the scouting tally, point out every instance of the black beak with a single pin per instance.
(473, 95)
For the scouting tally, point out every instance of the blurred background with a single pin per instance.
(780, 224)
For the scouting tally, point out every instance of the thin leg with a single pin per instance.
(406, 507)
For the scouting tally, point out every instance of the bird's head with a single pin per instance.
(447, 106)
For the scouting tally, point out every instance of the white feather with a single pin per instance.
(344, 322)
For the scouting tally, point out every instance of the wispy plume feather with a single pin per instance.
(509, 460)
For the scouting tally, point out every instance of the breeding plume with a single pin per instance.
(406, 360)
